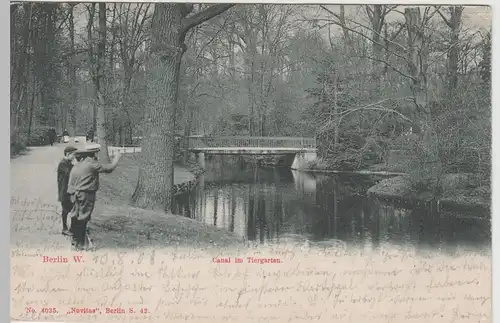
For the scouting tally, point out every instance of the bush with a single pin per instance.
(17, 142)
(424, 169)
(16, 145)
(19, 139)
(38, 136)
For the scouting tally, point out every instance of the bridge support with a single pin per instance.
(201, 160)
(302, 159)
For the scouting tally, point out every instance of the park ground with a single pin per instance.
(114, 224)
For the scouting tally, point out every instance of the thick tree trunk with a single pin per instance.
(156, 172)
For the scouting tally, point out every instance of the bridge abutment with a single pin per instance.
(302, 160)
(201, 160)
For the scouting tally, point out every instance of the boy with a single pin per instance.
(83, 185)
(63, 171)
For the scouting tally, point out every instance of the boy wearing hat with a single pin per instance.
(83, 185)
(63, 171)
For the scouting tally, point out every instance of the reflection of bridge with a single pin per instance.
(300, 150)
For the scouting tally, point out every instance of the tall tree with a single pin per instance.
(90, 42)
(377, 15)
(454, 23)
(72, 69)
(171, 22)
(485, 64)
(100, 84)
(132, 19)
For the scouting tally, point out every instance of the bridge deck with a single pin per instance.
(250, 150)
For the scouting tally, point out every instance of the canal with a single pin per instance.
(267, 205)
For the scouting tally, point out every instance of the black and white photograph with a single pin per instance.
(250, 162)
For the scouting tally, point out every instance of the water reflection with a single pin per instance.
(267, 205)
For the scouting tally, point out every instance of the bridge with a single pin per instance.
(298, 151)
(301, 150)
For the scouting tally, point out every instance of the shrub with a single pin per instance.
(38, 136)
(17, 142)
(424, 168)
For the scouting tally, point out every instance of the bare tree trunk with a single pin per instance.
(13, 65)
(250, 57)
(417, 68)
(48, 68)
(347, 38)
(100, 84)
(416, 59)
(377, 23)
(454, 23)
(91, 57)
(111, 80)
(31, 109)
(74, 96)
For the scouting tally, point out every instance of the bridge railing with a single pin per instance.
(247, 141)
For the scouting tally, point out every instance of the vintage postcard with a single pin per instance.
(229, 162)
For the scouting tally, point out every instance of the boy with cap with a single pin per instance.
(63, 171)
(83, 185)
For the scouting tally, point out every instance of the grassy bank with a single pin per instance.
(457, 192)
(118, 187)
(117, 224)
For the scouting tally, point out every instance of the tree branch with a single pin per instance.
(369, 12)
(388, 65)
(378, 34)
(446, 21)
(202, 16)
(337, 118)
(343, 25)
(364, 36)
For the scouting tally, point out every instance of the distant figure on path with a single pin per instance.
(83, 185)
(52, 135)
(90, 135)
(63, 171)
(65, 135)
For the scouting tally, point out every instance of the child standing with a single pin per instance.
(63, 171)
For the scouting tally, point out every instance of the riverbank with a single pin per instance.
(119, 225)
(460, 191)
(118, 187)
(457, 194)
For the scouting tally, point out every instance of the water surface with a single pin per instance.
(267, 205)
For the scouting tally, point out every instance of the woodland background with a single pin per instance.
(364, 80)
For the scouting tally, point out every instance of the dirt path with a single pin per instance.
(36, 222)
(34, 208)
